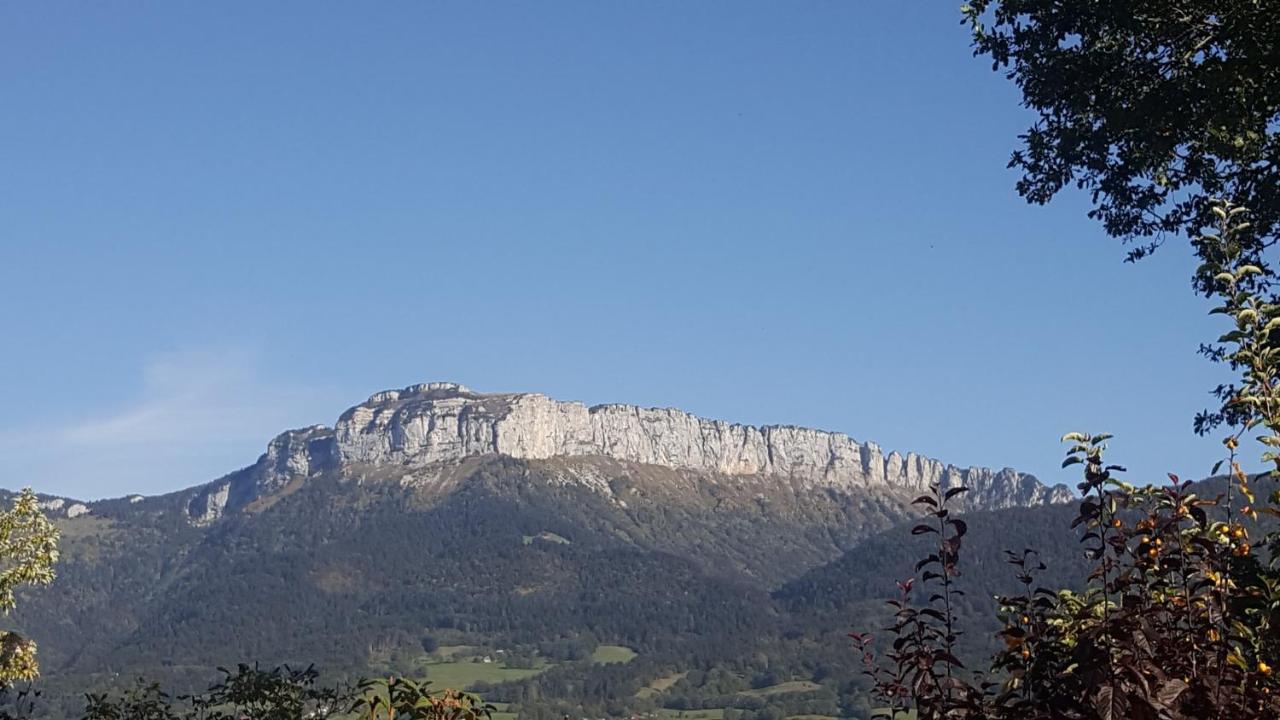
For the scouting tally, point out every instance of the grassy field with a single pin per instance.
(660, 685)
(793, 686)
(546, 537)
(463, 674)
(705, 714)
(606, 654)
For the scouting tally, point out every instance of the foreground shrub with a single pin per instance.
(282, 693)
(1181, 615)
(406, 699)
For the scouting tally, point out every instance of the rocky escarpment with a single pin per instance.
(292, 454)
(56, 507)
(443, 422)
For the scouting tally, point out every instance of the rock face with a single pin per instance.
(445, 422)
(209, 503)
(62, 507)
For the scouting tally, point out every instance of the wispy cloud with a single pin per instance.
(198, 415)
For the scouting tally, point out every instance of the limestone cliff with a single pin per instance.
(438, 423)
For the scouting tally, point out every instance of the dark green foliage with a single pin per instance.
(249, 692)
(282, 693)
(278, 694)
(396, 698)
(1154, 107)
(145, 701)
(1177, 620)
(850, 592)
(19, 702)
(1168, 113)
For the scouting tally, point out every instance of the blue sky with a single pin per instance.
(220, 220)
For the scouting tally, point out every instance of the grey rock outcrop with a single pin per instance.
(210, 503)
(291, 455)
(62, 507)
(444, 422)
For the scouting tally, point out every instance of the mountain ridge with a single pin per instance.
(438, 423)
(419, 515)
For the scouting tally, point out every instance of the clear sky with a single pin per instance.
(220, 220)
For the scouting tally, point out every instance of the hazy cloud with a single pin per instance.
(198, 415)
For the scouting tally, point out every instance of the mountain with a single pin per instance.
(420, 431)
(512, 522)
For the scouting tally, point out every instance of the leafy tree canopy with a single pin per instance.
(1155, 107)
(28, 552)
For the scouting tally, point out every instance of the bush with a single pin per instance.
(1181, 616)
(286, 694)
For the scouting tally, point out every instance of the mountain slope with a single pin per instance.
(505, 520)
(408, 434)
